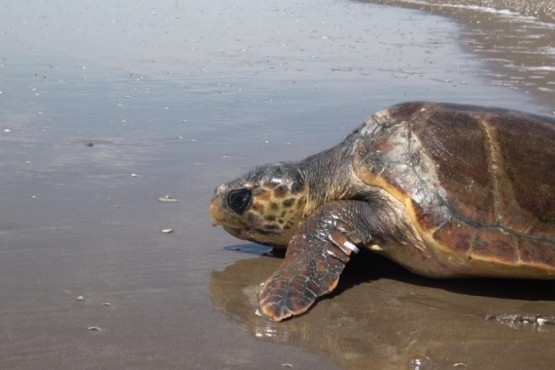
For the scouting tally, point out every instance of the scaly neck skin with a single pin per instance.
(328, 177)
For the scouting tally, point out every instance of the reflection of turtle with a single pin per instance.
(443, 190)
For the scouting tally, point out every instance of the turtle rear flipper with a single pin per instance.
(315, 258)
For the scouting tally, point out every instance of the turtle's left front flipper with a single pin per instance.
(315, 258)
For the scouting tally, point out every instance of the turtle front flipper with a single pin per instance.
(315, 258)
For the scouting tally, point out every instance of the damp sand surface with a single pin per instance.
(513, 38)
(118, 120)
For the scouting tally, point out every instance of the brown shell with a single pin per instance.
(477, 183)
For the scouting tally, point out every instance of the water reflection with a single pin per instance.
(383, 317)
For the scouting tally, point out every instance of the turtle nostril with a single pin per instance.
(238, 200)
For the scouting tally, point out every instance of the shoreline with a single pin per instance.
(513, 38)
(542, 10)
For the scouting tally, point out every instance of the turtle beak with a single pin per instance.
(216, 206)
(213, 219)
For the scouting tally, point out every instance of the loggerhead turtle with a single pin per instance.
(444, 190)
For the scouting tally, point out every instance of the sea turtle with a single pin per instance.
(445, 190)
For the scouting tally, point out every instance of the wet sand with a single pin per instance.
(383, 317)
(514, 39)
(105, 109)
(542, 10)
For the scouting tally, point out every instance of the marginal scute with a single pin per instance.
(536, 252)
(544, 229)
(495, 245)
(457, 235)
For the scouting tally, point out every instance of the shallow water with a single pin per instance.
(514, 39)
(106, 108)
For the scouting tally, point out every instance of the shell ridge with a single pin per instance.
(495, 165)
(421, 116)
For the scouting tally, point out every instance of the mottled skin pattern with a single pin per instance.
(444, 190)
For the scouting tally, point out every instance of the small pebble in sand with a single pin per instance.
(28, 162)
(80, 298)
(286, 365)
(167, 231)
(93, 328)
(134, 175)
(89, 144)
(106, 304)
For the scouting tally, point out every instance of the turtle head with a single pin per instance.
(265, 205)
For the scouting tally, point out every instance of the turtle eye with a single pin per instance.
(238, 200)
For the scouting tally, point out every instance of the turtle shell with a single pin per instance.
(477, 184)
